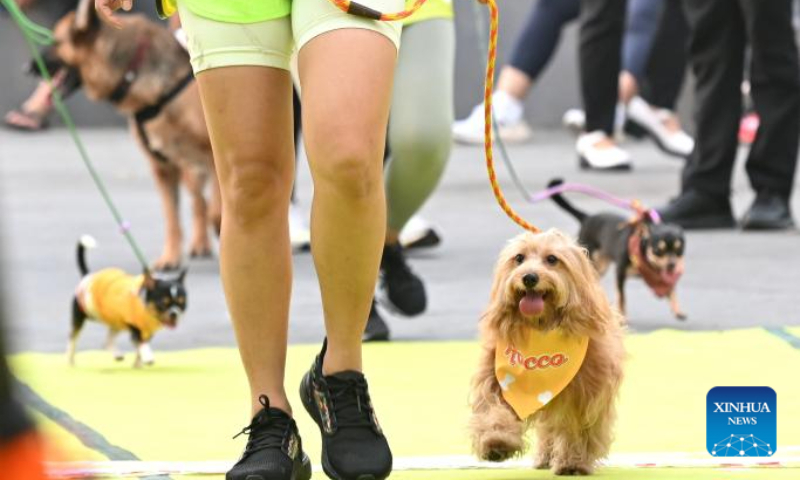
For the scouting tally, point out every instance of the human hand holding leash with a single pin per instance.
(106, 10)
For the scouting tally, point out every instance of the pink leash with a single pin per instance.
(633, 205)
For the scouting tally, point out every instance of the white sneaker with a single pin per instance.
(508, 113)
(574, 120)
(418, 233)
(593, 157)
(653, 121)
(299, 233)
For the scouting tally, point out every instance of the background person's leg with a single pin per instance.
(419, 140)
(717, 56)
(532, 52)
(640, 30)
(602, 24)
(775, 88)
(345, 112)
(666, 68)
(421, 115)
(716, 48)
(536, 44)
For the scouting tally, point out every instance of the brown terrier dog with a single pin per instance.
(552, 358)
(145, 73)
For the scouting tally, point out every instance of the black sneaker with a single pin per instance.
(353, 444)
(274, 450)
(376, 329)
(768, 212)
(694, 210)
(400, 289)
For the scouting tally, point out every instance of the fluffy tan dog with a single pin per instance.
(545, 285)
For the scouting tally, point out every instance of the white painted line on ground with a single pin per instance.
(788, 458)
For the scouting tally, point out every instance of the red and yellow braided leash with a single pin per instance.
(494, 21)
(355, 8)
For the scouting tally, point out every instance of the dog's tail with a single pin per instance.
(85, 242)
(563, 203)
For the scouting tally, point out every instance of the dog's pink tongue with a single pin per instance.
(531, 305)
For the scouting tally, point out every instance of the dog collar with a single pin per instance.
(535, 367)
(131, 73)
(661, 283)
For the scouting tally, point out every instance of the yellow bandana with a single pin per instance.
(535, 368)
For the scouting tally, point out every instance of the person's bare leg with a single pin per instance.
(249, 115)
(345, 109)
(33, 110)
(514, 82)
(628, 87)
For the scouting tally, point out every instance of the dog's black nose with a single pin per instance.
(530, 280)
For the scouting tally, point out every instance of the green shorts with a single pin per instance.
(215, 44)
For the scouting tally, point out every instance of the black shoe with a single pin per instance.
(376, 329)
(768, 212)
(696, 210)
(353, 444)
(400, 289)
(274, 450)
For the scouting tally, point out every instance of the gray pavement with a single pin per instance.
(47, 201)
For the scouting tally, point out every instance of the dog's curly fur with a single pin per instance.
(574, 430)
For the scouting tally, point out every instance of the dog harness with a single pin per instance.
(534, 368)
(662, 283)
(113, 296)
(144, 115)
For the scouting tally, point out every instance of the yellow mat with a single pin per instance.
(189, 405)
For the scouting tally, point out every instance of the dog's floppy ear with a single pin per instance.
(182, 275)
(587, 306)
(86, 18)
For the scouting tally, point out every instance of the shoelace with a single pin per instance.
(265, 431)
(351, 403)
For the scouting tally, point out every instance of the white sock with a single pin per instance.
(507, 108)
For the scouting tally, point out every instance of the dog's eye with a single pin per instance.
(551, 260)
(519, 258)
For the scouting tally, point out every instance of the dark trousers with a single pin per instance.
(720, 31)
(540, 36)
(602, 25)
(666, 67)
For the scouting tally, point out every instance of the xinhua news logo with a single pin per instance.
(741, 422)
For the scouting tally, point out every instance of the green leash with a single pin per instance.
(38, 36)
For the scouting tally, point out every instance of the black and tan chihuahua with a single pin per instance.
(642, 247)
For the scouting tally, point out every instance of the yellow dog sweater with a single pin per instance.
(113, 296)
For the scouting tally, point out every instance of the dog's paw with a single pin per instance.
(572, 470)
(498, 449)
(119, 357)
(542, 461)
(541, 464)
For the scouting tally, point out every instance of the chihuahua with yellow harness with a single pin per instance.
(141, 304)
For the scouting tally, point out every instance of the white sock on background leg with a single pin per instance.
(507, 108)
